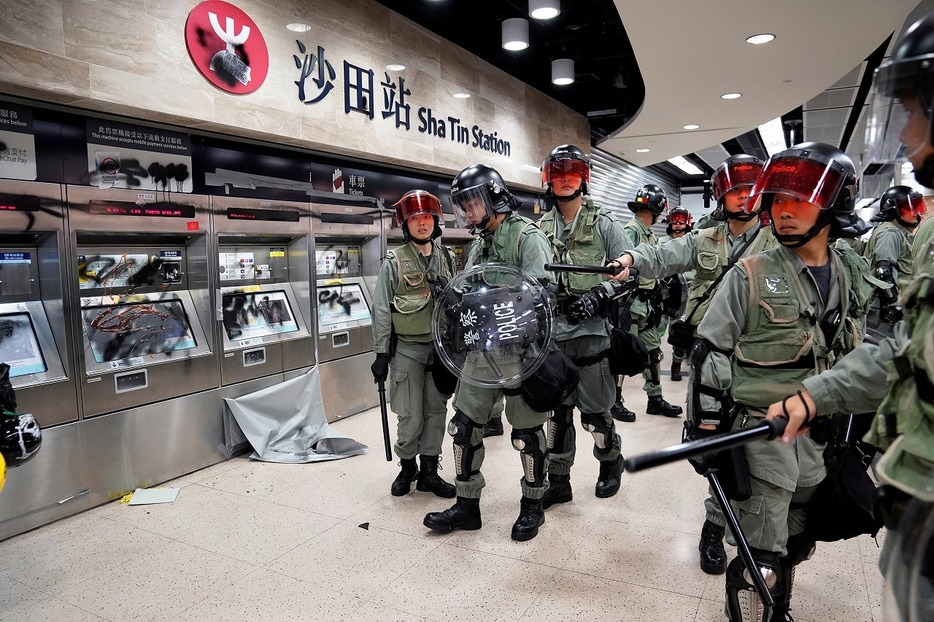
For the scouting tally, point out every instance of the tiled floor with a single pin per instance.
(256, 541)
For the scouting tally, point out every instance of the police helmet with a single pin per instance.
(416, 202)
(564, 160)
(735, 172)
(902, 203)
(819, 174)
(650, 197)
(480, 187)
(679, 215)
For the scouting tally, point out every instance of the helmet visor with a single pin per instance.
(812, 178)
(911, 207)
(733, 175)
(679, 218)
(417, 202)
(472, 206)
(559, 167)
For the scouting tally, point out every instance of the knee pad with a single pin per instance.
(560, 424)
(655, 356)
(530, 443)
(743, 602)
(461, 428)
(602, 432)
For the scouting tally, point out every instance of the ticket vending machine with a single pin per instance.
(348, 248)
(264, 309)
(146, 357)
(37, 342)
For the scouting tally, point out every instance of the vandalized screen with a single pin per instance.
(137, 329)
(19, 347)
(257, 314)
(341, 303)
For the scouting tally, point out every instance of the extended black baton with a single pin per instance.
(381, 388)
(569, 267)
(767, 430)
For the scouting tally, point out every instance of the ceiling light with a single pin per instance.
(773, 136)
(562, 71)
(731, 96)
(515, 34)
(395, 67)
(643, 150)
(298, 27)
(759, 39)
(691, 126)
(685, 165)
(461, 95)
(544, 9)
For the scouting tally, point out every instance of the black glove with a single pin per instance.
(550, 290)
(585, 307)
(892, 313)
(885, 271)
(692, 432)
(380, 367)
(438, 283)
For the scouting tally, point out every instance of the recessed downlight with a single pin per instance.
(760, 38)
(691, 126)
(395, 67)
(642, 150)
(461, 95)
(731, 96)
(298, 27)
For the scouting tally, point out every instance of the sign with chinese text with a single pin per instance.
(121, 155)
(17, 143)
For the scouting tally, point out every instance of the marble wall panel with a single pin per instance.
(34, 23)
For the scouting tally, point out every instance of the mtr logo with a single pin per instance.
(227, 47)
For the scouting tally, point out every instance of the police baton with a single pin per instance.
(569, 267)
(381, 388)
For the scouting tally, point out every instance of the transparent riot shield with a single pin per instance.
(492, 325)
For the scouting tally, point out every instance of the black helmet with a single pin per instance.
(20, 437)
(483, 183)
(902, 203)
(650, 197)
(819, 174)
(565, 159)
(679, 215)
(906, 79)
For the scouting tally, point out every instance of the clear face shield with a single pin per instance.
(472, 207)
(898, 129)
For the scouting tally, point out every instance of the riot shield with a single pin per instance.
(492, 325)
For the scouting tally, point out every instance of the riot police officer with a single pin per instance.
(676, 285)
(482, 201)
(889, 247)
(778, 318)
(895, 377)
(403, 303)
(646, 308)
(581, 233)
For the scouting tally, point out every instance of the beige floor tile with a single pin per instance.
(46, 610)
(17, 597)
(372, 612)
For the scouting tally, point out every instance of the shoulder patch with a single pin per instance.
(776, 284)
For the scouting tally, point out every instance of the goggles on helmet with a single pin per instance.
(472, 206)
(911, 207)
(733, 175)
(417, 202)
(554, 167)
(810, 177)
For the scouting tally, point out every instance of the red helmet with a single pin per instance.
(735, 172)
(416, 202)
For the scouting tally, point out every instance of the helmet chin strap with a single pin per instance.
(740, 216)
(925, 173)
(796, 240)
(551, 194)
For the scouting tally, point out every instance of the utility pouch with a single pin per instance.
(681, 334)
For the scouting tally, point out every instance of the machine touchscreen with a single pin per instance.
(19, 347)
(137, 329)
(257, 314)
(341, 303)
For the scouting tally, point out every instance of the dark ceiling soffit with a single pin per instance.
(865, 84)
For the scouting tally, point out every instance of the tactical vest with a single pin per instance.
(905, 424)
(585, 246)
(642, 238)
(503, 245)
(711, 258)
(903, 262)
(411, 302)
(782, 343)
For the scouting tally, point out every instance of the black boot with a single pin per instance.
(619, 411)
(658, 406)
(429, 481)
(493, 427)
(464, 514)
(559, 490)
(608, 480)
(531, 517)
(403, 482)
(676, 371)
(712, 553)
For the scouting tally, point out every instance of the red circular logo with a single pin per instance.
(227, 47)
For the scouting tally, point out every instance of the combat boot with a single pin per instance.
(676, 374)
(658, 406)
(403, 482)
(430, 481)
(531, 517)
(559, 490)
(493, 427)
(608, 480)
(712, 553)
(619, 411)
(464, 514)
